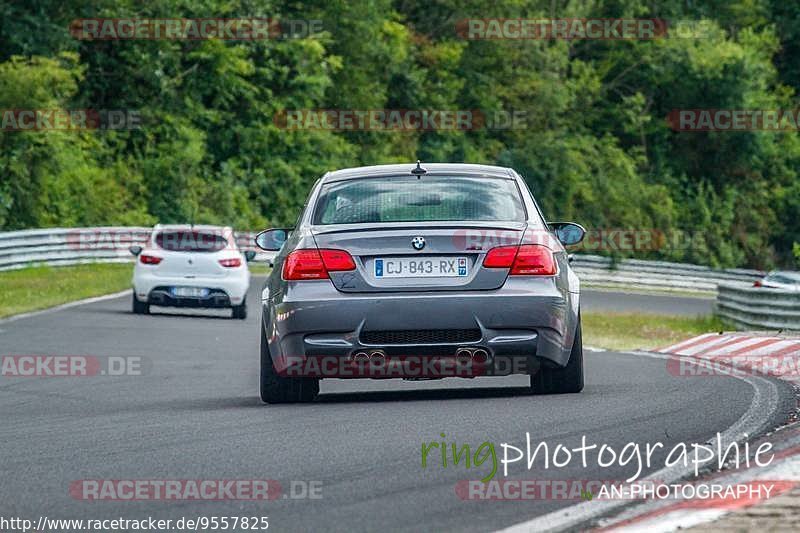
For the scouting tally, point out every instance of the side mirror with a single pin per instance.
(249, 255)
(135, 250)
(568, 233)
(271, 240)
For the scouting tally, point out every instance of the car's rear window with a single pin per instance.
(191, 241)
(409, 199)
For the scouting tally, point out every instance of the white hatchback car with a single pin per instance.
(191, 266)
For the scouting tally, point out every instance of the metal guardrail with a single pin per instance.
(69, 246)
(657, 275)
(66, 246)
(748, 307)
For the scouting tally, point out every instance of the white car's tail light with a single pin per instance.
(231, 263)
(146, 259)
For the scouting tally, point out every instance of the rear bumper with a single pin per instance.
(525, 318)
(161, 296)
(223, 291)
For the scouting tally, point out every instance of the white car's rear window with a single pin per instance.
(191, 241)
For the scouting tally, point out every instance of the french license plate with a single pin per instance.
(189, 292)
(421, 267)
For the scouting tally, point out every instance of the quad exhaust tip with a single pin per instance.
(377, 357)
(360, 357)
(474, 355)
(463, 355)
(480, 356)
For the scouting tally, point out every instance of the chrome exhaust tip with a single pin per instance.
(377, 357)
(360, 357)
(480, 356)
(463, 356)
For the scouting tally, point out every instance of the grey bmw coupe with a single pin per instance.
(420, 272)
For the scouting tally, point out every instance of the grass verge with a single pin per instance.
(630, 331)
(30, 289)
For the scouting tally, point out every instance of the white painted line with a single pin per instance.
(66, 306)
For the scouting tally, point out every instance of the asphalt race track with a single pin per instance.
(196, 415)
(620, 302)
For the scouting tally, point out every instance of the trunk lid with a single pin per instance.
(450, 257)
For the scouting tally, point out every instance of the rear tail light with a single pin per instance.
(315, 264)
(523, 260)
(149, 259)
(500, 257)
(231, 263)
(337, 260)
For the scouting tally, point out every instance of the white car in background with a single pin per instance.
(191, 266)
(780, 279)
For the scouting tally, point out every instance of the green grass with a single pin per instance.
(630, 331)
(259, 268)
(29, 289)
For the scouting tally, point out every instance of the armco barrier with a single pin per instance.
(69, 246)
(64, 246)
(748, 307)
(658, 275)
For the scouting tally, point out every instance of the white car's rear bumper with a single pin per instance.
(224, 291)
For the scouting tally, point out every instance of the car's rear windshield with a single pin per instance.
(191, 241)
(412, 199)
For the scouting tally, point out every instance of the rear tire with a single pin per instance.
(278, 389)
(240, 311)
(565, 380)
(140, 308)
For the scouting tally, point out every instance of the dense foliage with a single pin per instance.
(595, 148)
